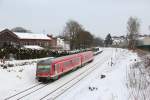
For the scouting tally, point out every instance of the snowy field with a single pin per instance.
(112, 87)
(114, 64)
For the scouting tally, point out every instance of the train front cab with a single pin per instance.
(43, 69)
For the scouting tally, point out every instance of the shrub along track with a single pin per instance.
(139, 77)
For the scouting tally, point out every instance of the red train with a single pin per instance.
(53, 68)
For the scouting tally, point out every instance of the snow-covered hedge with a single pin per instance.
(15, 63)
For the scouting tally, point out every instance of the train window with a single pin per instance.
(78, 59)
(44, 65)
(57, 66)
(66, 64)
(45, 62)
(43, 68)
(70, 62)
(74, 61)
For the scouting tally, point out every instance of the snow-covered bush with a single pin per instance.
(138, 77)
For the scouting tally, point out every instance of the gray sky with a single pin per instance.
(97, 16)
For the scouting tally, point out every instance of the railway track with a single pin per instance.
(63, 85)
(55, 93)
(26, 92)
(22, 94)
(66, 86)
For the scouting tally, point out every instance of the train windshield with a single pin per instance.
(44, 65)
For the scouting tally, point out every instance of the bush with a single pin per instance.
(20, 54)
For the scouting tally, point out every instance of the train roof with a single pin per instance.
(48, 60)
(84, 52)
(59, 59)
(70, 56)
(64, 57)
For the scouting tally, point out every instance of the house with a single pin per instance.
(144, 42)
(20, 39)
(120, 41)
(58, 43)
(64, 45)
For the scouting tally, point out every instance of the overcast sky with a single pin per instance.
(97, 16)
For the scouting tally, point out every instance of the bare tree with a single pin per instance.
(78, 36)
(84, 39)
(20, 29)
(133, 26)
(98, 41)
(70, 32)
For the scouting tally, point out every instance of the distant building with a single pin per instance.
(120, 41)
(58, 43)
(144, 41)
(20, 39)
(64, 45)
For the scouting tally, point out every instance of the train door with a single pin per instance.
(57, 67)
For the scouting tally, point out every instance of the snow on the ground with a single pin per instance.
(18, 63)
(139, 78)
(111, 87)
(33, 47)
(17, 78)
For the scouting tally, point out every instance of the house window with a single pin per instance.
(40, 44)
(46, 44)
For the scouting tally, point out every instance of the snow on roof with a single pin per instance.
(32, 36)
(141, 38)
(33, 47)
